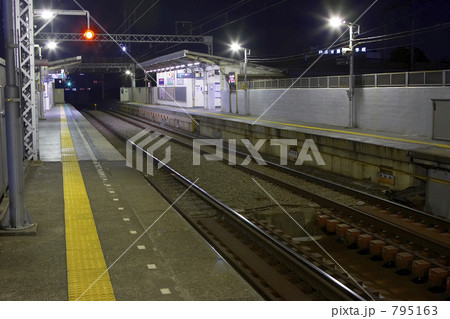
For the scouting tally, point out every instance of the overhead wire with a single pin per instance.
(140, 17)
(124, 21)
(222, 26)
(358, 41)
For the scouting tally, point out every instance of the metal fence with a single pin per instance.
(401, 79)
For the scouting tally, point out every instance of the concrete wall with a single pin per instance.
(48, 96)
(141, 95)
(126, 94)
(229, 102)
(322, 106)
(397, 110)
(58, 96)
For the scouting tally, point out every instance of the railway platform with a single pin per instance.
(104, 233)
(391, 160)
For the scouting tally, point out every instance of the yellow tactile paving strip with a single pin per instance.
(87, 275)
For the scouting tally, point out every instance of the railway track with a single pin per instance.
(381, 225)
(382, 216)
(276, 270)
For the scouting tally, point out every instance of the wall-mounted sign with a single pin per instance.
(161, 81)
(185, 75)
(232, 78)
(170, 80)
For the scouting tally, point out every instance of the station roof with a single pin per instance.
(185, 57)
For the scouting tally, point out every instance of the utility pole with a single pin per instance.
(412, 38)
(351, 83)
(17, 217)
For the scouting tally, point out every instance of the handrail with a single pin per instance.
(393, 79)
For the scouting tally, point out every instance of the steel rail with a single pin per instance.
(396, 229)
(326, 285)
(442, 223)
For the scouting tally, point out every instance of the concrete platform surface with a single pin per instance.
(404, 142)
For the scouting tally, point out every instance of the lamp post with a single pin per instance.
(236, 47)
(336, 22)
(132, 75)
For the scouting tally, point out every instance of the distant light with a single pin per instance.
(47, 14)
(363, 49)
(178, 66)
(320, 51)
(235, 46)
(197, 63)
(190, 64)
(338, 51)
(81, 73)
(332, 51)
(326, 52)
(124, 48)
(335, 22)
(51, 45)
(356, 49)
(69, 83)
(183, 65)
(127, 72)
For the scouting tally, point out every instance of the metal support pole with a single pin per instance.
(17, 216)
(246, 97)
(205, 88)
(245, 69)
(351, 84)
(133, 75)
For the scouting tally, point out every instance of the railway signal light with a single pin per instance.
(88, 35)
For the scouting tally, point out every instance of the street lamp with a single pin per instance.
(336, 22)
(47, 14)
(51, 45)
(235, 47)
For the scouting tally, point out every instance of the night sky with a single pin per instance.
(272, 28)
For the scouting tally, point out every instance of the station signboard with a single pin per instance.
(185, 75)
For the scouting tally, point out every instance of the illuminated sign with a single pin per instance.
(185, 75)
(161, 82)
(232, 78)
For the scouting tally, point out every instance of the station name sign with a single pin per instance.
(185, 75)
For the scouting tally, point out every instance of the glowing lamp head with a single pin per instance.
(128, 72)
(235, 47)
(335, 22)
(51, 45)
(89, 35)
(47, 14)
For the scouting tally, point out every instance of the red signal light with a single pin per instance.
(89, 35)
